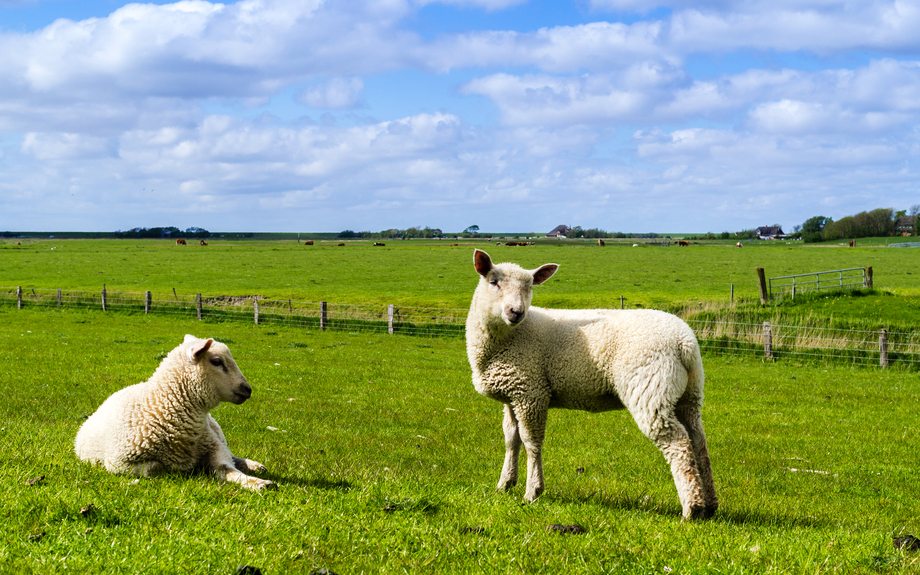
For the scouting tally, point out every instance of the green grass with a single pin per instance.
(425, 273)
(387, 459)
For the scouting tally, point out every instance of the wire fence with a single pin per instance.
(717, 337)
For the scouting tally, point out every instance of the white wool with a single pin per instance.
(164, 424)
(532, 359)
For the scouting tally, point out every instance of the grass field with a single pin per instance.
(420, 273)
(387, 459)
(386, 456)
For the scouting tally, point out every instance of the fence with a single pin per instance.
(852, 278)
(716, 337)
(319, 315)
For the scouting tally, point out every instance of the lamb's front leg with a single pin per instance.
(509, 474)
(532, 428)
(240, 463)
(226, 467)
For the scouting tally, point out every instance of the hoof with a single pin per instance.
(701, 512)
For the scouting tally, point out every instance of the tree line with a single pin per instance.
(881, 222)
(164, 232)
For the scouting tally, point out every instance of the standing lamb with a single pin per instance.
(163, 424)
(533, 359)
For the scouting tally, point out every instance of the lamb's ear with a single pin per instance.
(483, 263)
(543, 273)
(198, 348)
(189, 337)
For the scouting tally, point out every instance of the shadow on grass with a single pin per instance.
(646, 504)
(324, 483)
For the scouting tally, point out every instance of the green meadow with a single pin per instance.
(428, 273)
(386, 457)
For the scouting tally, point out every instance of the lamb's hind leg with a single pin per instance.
(509, 474)
(691, 418)
(672, 439)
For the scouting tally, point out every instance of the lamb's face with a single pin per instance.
(219, 370)
(507, 289)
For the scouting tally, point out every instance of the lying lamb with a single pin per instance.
(533, 359)
(163, 424)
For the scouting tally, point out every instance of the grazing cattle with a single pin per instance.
(202, 242)
(308, 243)
(683, 243)
(180, 242)
(454, 245)
(601, 243)
(340, 245)
(852, 243)
(379, 244)
(739, 245)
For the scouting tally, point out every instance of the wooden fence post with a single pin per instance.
(762, 284)
(733, 293)
(255, 308)
(767, 341)
(390, 319)
(60, 301)
(19, 297)
(867, 283)
(147, 300)
(322, 315)
(198, 305)
(621, 302)
(883, 347)
(103, 297)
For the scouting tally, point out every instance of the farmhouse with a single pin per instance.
(560, 232)
(769, 233)
(905, 225)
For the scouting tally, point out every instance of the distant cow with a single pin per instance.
(683, 243)
(454, 245)
(601, 243)
(379, 244)
(852, 243)
(739, 245)
(202, 242)
(340, 245)
(180, 242)
(308, 243)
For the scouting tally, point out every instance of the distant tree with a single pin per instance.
(914, 210)
(813, 228)
(745, 235)
(471, 230)
(346, 234)
(198, 232)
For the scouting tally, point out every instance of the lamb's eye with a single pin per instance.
(493, 283)
(217, 362)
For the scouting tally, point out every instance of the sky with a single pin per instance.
(512, 115)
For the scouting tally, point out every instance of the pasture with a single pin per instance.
(386, 456)
(427, 273)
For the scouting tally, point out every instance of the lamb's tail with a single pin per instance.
(693, 362)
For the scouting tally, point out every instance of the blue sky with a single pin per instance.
(626, 115)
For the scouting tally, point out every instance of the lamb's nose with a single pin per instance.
(244, 390)
(515, 316)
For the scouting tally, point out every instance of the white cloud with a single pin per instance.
(334, 94)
